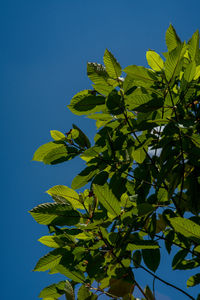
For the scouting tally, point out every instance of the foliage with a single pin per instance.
(142, 174)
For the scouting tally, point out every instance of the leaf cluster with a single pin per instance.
(142, 174)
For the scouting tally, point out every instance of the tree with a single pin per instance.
(142, 176)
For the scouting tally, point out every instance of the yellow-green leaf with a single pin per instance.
(142, 245)
(50, 260)
(57, 135)
(51, 241)
(193, 280)
(186, 227)
(172, 39)
(108, 199)
(67, 193)
(190, 70)
(154, 60)
(197, 73)
(113, 68)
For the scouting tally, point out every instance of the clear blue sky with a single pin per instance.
(45, 45)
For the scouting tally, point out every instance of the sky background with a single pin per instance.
(45, 46)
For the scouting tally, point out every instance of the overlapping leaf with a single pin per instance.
(55, 213)
(108, 200)
(112, 66)
(69, 194)
(172, 39)
(55, 152)
(186, 227)
(86, 102)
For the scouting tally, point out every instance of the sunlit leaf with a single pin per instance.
(72, 274)
(112, 66)
(186, 227)
(86, 102)
(172, 39)
(154, 60)
(107, 198)
(56, 290)
(57, 135)
(193, 280)
(142, 245)
(141, 75)
(54, 152)
(67, 193)
(51, 241)
(55, 213)
(50, 260)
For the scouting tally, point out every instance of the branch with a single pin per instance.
(119, 261)
(147, 154)
(166, 282)
(102, 291)
(182, 156)
(174, 243)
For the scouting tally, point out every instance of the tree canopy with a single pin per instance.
(142, 178)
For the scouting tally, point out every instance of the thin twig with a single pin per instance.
(102, 291)
(166, 282)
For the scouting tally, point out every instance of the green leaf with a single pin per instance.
(69, 292)
(172, 39)
(186, 227)
(84, 177)
(172, 63)
(82, 139)
(143, 209)
(187, 264)
(178, 257)
(113, 68)
(83, 293)
(137, 257)
(55, 152)
(55, 213)
(86, 102)
(51, 241)
(69, 194)
(114, 103)
(141, 75)
(143, 102)
(50, 260)
(169, 240)
(151, 258)
(107, 199)
(139, 155)
(137, 245)
(101, 178)
(97, 73)
(193, 280)
(56, 290)
(71, 273)
(194, 47)
(154, 60)
(162, 195)
(190, 71)
(120, 287)
(197, 73)
(57, 135)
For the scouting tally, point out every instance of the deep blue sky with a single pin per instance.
(45, 45)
